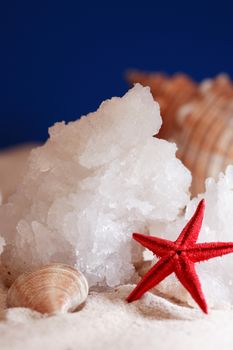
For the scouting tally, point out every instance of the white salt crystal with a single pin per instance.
(215, 274)
(92, 184)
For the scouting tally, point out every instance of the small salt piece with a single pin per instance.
(93, 183)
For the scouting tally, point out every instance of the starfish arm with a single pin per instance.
(156, 274)
(206, 251)
(186, 273)
(158, 246)
(191, 230)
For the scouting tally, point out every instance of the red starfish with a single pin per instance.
(180, 257)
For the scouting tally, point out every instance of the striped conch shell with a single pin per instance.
(199, 118)
(55, 288)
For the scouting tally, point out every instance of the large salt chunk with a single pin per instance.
(215, 274)
(92, 184)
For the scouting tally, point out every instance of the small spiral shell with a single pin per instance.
(55, 288)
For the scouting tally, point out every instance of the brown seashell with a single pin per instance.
(52, 289)
(198, 118)
(204, 132)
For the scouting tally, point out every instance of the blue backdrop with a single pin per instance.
(59, 60)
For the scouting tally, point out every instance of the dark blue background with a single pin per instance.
(59, 60)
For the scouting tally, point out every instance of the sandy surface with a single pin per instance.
(107, 321)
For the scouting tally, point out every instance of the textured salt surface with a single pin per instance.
(92, 184)
(12, 163)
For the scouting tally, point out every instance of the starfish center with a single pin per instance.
(178, 252)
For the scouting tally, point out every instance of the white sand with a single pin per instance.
(108, 322)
